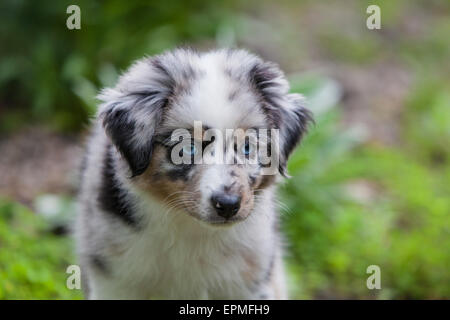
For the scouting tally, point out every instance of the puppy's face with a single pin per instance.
(230, 105)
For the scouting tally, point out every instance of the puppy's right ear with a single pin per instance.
(131, 111)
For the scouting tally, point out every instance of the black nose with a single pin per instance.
(226, 205)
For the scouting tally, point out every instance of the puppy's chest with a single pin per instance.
(187, 266)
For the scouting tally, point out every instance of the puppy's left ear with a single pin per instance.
(295, 119)
(285, 111)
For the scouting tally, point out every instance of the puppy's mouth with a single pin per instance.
(222, 222)
(212, 219)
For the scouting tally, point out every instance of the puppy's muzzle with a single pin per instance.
(226, 205)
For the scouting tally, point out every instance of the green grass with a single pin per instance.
(33, 261)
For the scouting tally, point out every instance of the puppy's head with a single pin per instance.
(190, 105)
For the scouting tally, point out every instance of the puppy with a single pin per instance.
(151, 228)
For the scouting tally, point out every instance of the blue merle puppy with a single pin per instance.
(150, 228)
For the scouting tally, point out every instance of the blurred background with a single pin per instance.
(371, 182)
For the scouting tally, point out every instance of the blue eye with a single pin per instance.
(246, 149)
(190, 149)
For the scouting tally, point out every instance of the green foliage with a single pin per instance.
(427, 125)
(402, 226)
(51, 74)
(33, 262)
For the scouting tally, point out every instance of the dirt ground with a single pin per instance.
(35, 161)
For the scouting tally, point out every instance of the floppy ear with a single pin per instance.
(131, 111)
(285, 111)
(294, 125)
